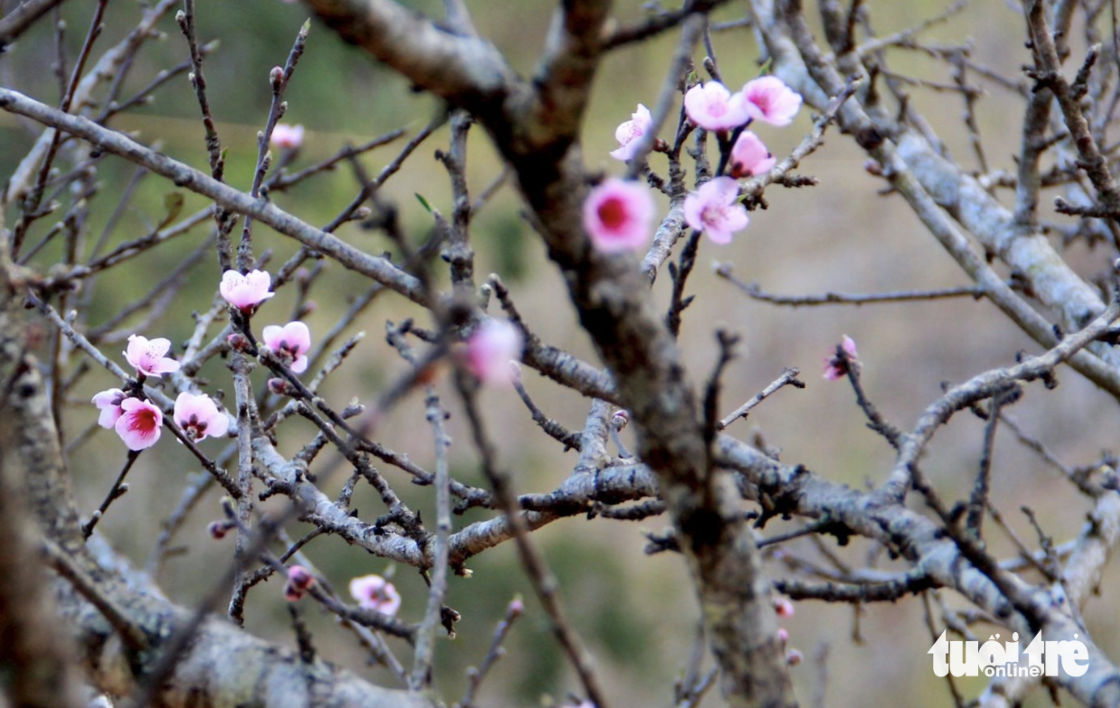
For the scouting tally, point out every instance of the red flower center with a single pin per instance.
(612, 212)
(142, 421)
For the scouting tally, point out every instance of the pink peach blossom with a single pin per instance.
(490, 348)
(629, 134)
(749, 157)
(712, 107)
(768, 99)
(140, 424)
(836, 368)
(292, 341)
(147, 356)
(714, 209)
(199, 417)
(374, 592)
(109, 402)
(245, 291)
(287, 137)
(618, 216)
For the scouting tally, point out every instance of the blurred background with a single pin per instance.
(636, 611)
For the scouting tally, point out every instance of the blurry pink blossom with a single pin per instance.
(245, 291)
(714, 209)
(629, 134)
(794, 657)
(783, 606)
(140, 424)
(199, 417)
(618, 215)
(835, 367)
(749, 157)
(147, 356)
(768, 99)
(712, 107)
(491, 347)
(783, 635)
(110, 404)
(287, 137)
(292, 341)
(374, 592)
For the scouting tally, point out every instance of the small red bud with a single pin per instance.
(218, 529)
(300, 578)
(238, 341)
(280, 387)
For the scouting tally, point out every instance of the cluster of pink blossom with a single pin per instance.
(139, 422)
(372, 592)
(784, 609)
(618, 214)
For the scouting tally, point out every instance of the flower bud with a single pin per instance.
(218, 529)
(280, 387)
(300, 578)
(239, 342)
(620, 418)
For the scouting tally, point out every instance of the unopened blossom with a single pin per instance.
(147, 355)
(110, 404)
(629, 134)
(292, 341)
(783, 635)
(836, 367)
(299, 582)
(491, 347)
(749, 157)
(245, 291)
(712, 107)
(219, 529)
(794, 657)
(374, 592)
(140, 424)
(199, 416)
(715, 210)
(618, 216)
(287, 137)
(768, 99)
